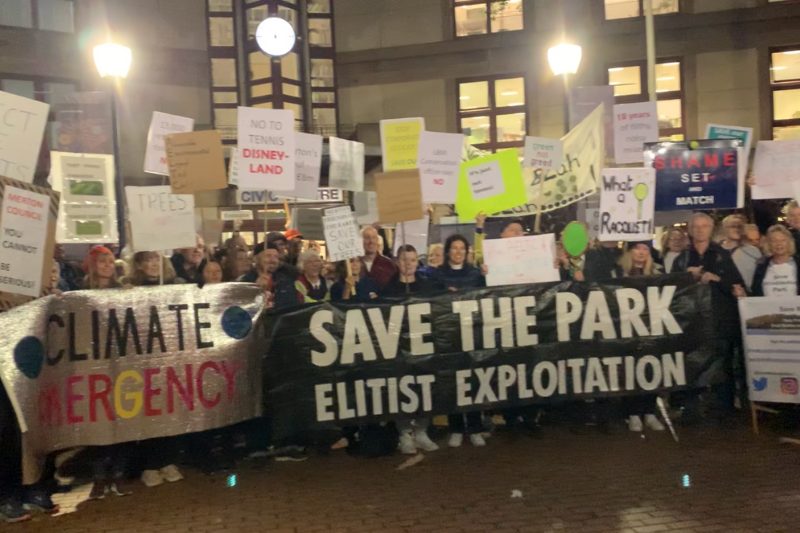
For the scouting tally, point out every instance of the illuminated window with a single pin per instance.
(476, 17)
(622, 9)
(785, 84)
(53, 15)
(630, 85)
(492, 112)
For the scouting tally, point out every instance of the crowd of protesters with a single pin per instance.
(733, 259)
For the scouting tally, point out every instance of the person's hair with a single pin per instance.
(510, 221)
(305, 256)
(92, 281)
(366, 228)
(626, 262)
(666, 235)
(449, 243)
(434, 246)
(791, 204)
(405, 248)
(733, 219)
(201, 270)
(697, 215)
(340, 270)
(779, 228)
(138, 278)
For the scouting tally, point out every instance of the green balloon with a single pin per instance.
(575, 239)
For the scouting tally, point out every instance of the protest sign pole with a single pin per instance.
(650, 37)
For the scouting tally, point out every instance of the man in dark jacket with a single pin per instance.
(273, 275)
(710, 263)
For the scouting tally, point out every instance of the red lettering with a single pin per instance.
(266, 169)
(186, 393)
(103, 396)
(711, 159)
(149, 392)
(205, 402)
(729, 159)
(50, 406)
(72, 398)
(229, 372)
(694, 161)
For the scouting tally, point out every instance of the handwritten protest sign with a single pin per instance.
(400, 139)
(634, 125)
(342, 238)
(627, 201)
(542, 152)
(399, 196)
(490, 184)
(266, 149)
(161, 125)
(160, 220)
(346, 169)
(88, 210)
(307, 165)
(776, 169)
(518, 260)
(439, 165)
(700, 174)
(22, 123)
(196, 161)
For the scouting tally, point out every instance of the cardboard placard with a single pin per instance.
(342, 238)
(159, 219)
(161, 125)
(634, 125)
(490, 184)
(776, 169)
(400, 140)
(519, 260)
(399, 196)
(196, 161)
(22, 123)
(439, 165)
(266, 149)
(627, 204)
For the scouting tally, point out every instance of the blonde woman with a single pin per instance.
(777, 273)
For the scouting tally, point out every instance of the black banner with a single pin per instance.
(346, 364)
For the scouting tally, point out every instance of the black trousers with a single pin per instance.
(465, 422)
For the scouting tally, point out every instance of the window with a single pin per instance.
(630, 85)
(492, 112)
(785, 85)
(53, 15)
(476, 17)
(623, 9)
(224, 76)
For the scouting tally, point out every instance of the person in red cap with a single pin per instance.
(101, 272)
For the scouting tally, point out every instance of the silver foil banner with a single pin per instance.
(103, 367)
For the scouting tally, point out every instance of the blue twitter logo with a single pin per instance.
(760, 384)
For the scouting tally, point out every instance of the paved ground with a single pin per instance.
(738, 482)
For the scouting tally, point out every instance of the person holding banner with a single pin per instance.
(673, 242)
(745, 256)
(454, 275)
(353, 286)
(776, 275)
(101, 270)
(377, 267)
(310, 284)
(710, 263)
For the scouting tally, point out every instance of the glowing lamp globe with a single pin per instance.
(564, 58)
(112, 60)
(275, 36)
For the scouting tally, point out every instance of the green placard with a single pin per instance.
(490, 184)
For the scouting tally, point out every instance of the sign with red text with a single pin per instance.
(440, 165)
(634, 125)
(24, 225)
(266, 149)
(22, 123)
(161, 125)
(159, 219)
(93, 368)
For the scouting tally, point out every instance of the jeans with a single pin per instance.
(473, 424)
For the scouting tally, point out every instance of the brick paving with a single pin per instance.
(593, 482)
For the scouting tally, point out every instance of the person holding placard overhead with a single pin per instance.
(377, 267)
(454, 275)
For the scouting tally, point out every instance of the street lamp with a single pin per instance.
(564, 59)
(114, 61)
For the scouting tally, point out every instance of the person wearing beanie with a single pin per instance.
(100, 268)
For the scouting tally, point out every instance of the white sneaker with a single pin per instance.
(152, 478)
(455, 440)
(477, 439)
(171, 473)
(635, 423)
(424, 442)
(406, 444)
(652, 422)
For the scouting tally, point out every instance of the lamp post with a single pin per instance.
(564, 59)
(114, 61)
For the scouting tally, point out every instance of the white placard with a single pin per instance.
(720, 131)
(266, 149)
(342, 238)
(24, 231)
(440, 165)
(161, 125)
(325, 195)
(346, 169)
(366, 206)
(88, 207)
(307, 165)
(242, 214)
(22, 123)
(520, 260)
(543, 152)
(634, 125)
(159, 219)
(413, 232)
(486, 180)
(627, 204)
(776, 167)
